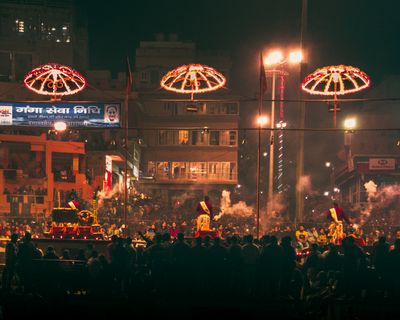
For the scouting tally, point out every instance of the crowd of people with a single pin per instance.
(203, 271)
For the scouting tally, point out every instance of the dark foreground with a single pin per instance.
(208, 278)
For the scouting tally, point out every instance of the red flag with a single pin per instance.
(263, 78)
(129, 77)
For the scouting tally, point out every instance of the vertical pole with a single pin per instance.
(300, 154)
(126, 113)
(281, 115)
(271, 149)
(258, 175)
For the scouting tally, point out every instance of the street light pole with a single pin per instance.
(271, 149)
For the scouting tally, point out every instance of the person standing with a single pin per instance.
(11, 262)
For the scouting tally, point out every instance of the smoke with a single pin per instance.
(379, 199)
(275, 217)
(240, 209)
(304, 184)
(178, 201)
(101, 195)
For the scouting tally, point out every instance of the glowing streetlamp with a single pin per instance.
(350, 123)
(60, 126)
(262, 121)
(327, 164)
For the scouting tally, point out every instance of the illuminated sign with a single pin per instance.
(45, 114)
(382, 164)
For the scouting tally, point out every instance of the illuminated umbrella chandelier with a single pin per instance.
(54, 80)
(334, 81)
(193, 78)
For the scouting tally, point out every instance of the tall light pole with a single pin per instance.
(300, 154)
(276, 61)
(261, 121)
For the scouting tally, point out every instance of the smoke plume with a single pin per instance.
(240, 209)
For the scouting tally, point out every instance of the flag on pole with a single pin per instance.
(129, 77)
(263, 77)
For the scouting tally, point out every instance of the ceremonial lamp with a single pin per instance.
(334, 81)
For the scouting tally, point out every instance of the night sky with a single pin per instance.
(362, 33)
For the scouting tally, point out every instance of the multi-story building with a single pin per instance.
(35, 32)
(371, 155)
(189, 146)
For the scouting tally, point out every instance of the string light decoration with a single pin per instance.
(334, 81)
(192, 78)
(54, 80)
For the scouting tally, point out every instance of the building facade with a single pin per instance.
(189, 146)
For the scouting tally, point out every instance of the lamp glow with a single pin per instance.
(60, 126)
(274, 57)
(295, 56)
(327, 164)
(350, 123)
(262, 120)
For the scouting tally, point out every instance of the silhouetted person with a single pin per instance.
(26, 254)
(159, 259)
(271, 262)
(332, 260)
(353, 265)
(50, 254)
(181, 252)
(217, 256)
(235, 264)
(380, 255)
(288, 264)
(11, 262)
(394, 269)
(250, 256)
(199, 266)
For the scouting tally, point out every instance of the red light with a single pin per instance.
(60, 237)
(73, 238)
(84, 237)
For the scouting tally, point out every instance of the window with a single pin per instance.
(183, 137)
(162, 170)
(212, 109)
(20, 26)
(214, 138)
(232, 138)
(199, 138)
(179, 170)
(198, 170)
(170, 108)
(23, 64)
(168, 137)
(143, 76)
(232, 108)
(154, 77)
(213, 168)
(5, 66)
(163, 137)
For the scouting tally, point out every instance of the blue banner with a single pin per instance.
(45, 114)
